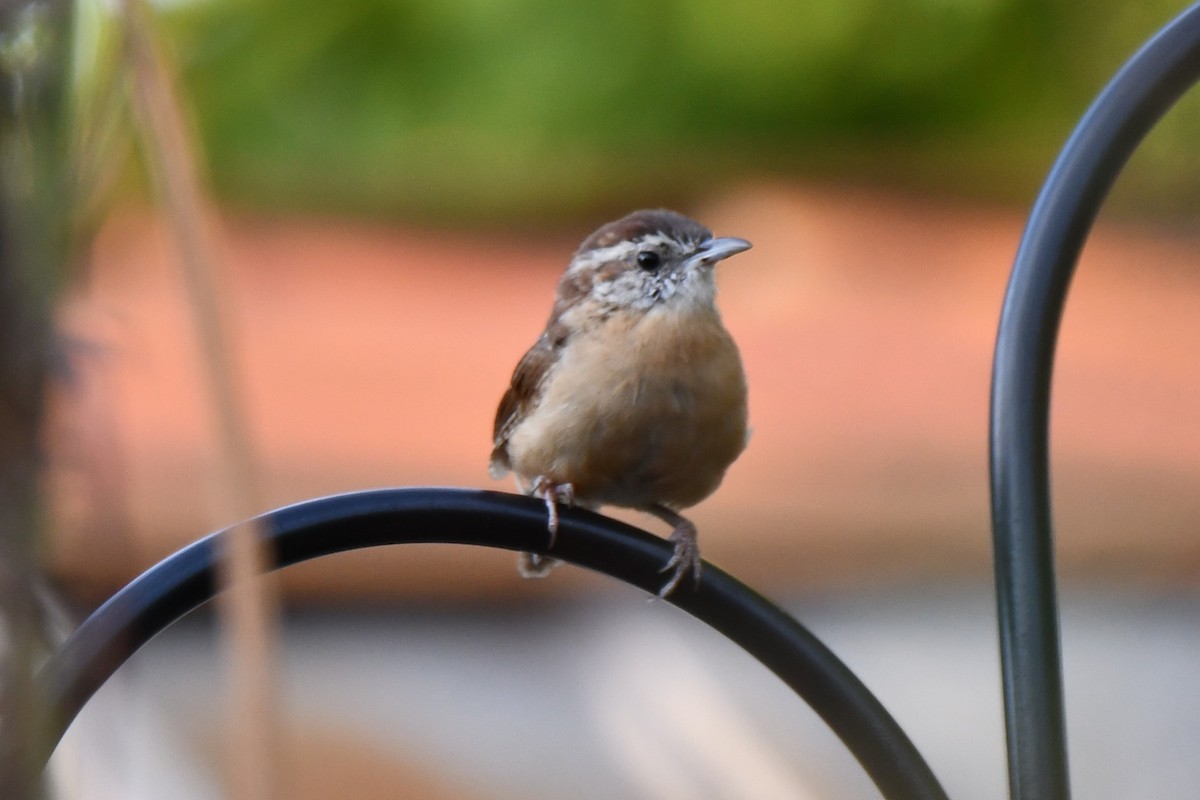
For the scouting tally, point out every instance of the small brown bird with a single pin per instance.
(634, 395)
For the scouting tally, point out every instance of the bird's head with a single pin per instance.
(648, 259)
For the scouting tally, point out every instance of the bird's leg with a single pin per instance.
(686, 557)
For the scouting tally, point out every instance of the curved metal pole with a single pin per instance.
(296, 533)
(1149, 83)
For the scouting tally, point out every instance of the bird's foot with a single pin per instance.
(552, 494)
(532, 565)
(686, 557)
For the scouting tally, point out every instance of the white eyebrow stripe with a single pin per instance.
(603, 255)
(620, 251)
(655, 240)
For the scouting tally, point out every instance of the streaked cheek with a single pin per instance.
(628, 290)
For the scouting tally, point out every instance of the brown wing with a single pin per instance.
(520, 398)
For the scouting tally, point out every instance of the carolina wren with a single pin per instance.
(634, 395)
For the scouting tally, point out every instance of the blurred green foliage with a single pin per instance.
(533, 109)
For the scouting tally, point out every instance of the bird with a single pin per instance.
(634, 395)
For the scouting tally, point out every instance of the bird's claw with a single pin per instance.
(532, 565)
(685, 559)
(552, 494)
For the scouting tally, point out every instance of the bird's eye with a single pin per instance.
(649, 260)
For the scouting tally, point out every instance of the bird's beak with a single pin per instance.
(715, 250)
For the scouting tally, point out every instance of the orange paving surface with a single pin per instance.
(374, 356)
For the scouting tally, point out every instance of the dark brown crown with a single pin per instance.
(644, 223)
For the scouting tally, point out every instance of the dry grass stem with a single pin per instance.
(249, 601)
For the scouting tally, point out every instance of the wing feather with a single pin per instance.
(520, 399)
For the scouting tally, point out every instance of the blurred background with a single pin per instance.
(382, 194)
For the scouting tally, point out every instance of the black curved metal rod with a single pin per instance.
(296, 533)
(1140, 93)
